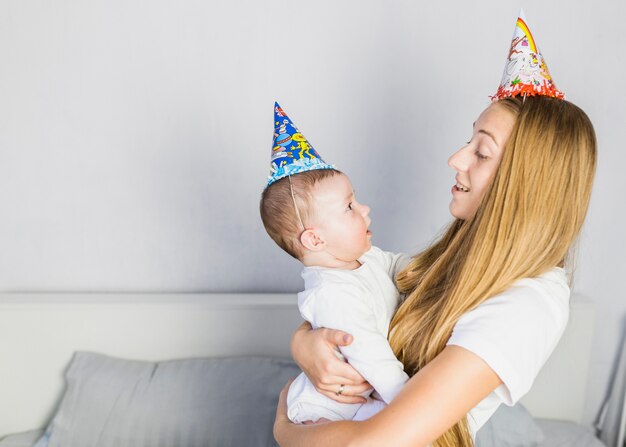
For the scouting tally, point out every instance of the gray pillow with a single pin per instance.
(510, 427)
(567, 434)
(217, 402)
(26, 439)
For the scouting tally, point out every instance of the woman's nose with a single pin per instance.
(459, 161)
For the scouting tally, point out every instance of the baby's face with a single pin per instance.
(340, 220)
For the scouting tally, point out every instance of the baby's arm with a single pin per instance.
(393, 263)
(349, 308)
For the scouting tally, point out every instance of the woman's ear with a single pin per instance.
(312, 241)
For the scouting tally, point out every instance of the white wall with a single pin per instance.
(135, 135)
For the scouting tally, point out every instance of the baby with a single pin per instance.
(309, 209)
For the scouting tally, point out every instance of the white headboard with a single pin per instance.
(40, 332)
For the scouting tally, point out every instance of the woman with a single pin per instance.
(487, 303)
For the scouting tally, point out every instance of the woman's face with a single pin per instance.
(477, 161)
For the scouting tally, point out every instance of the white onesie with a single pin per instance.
(360, 302)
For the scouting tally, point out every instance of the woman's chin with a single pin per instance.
(457, 211)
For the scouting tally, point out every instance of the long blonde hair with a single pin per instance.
(525, 225)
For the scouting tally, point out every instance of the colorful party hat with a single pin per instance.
(291, 152)
(526, 72)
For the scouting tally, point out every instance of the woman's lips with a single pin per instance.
(456, 190)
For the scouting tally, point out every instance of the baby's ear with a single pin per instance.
(312, 241)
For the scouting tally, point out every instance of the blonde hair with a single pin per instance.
(278, 207)
(525, 225)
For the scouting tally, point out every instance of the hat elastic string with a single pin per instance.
(295, 206)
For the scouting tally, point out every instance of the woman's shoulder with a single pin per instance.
(542, 300)
(548, 288)
(555, 278)
(515, 331)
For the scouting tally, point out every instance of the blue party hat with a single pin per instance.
(291, 152)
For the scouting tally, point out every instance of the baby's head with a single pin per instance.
(328, 225)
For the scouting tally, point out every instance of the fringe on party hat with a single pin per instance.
(526, 72)
(291, 152)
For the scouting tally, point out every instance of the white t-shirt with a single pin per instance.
(514, 333)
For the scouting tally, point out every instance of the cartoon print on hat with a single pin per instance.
(291, 152)
(526, 72)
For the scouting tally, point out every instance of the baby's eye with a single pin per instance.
(350, 206)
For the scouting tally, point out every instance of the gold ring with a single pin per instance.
(341, 388)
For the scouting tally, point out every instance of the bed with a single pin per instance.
(40, 333)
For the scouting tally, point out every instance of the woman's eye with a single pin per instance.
(481, 156)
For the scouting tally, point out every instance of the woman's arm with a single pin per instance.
(433, 400)
(314, 352)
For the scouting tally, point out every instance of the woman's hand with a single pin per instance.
(284, 429)
(282, 422)
(314, 352)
